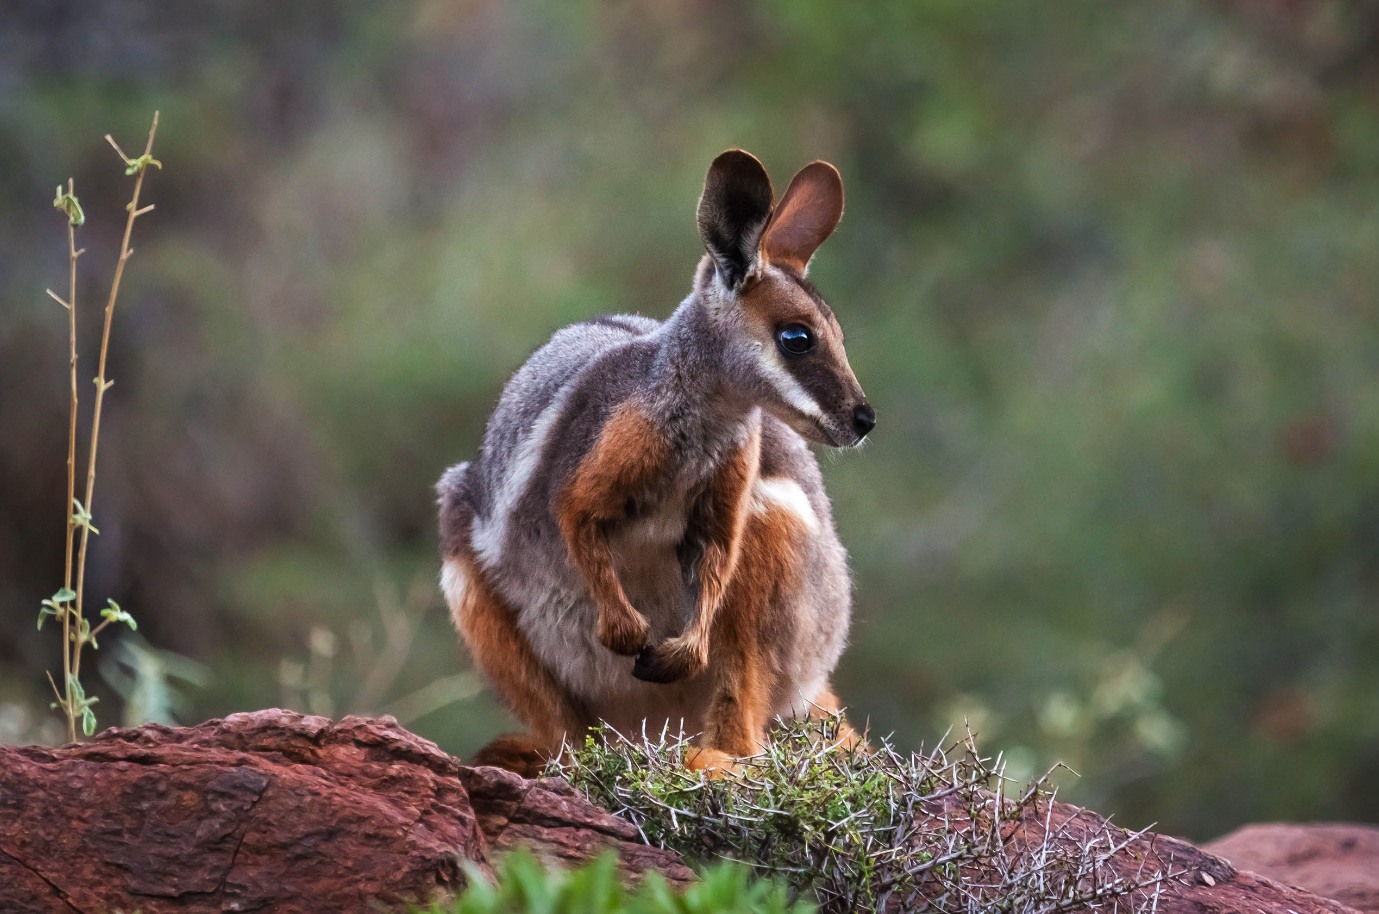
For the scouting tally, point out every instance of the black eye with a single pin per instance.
(795, 339)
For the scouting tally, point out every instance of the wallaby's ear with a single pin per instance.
(808, 214)
(733, 212)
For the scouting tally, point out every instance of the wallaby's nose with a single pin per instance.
(863, 419)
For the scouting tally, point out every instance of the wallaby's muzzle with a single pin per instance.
(863, 420)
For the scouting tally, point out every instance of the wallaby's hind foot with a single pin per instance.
(712, 762)
(827, 709)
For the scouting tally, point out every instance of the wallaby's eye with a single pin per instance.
(795, 339)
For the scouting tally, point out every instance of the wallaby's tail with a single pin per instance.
(456, 509)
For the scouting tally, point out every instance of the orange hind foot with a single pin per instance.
(714, 763)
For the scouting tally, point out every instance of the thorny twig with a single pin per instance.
(871, 829)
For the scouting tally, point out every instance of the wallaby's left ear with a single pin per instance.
(732, 213)
(807, 214)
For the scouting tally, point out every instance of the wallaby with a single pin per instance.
(644, 538)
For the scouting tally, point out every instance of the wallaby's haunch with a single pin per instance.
(644, 538)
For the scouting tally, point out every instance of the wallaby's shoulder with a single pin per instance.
(579, 361)
(575, 349)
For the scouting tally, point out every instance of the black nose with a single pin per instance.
(863, 419)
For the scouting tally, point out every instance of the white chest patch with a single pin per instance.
(785, 494)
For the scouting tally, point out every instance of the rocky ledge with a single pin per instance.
(277, 811)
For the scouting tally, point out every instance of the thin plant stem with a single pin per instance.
(102, 385)
(71, 469)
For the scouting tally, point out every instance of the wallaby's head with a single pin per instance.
(784, 348)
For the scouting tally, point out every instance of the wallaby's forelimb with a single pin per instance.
(628, 457)
(717, 522)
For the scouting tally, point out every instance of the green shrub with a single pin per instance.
(860, 829)
(524, 886)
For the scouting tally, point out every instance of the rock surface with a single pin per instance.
(1336, 861)
(1201, 882)
(276, 811)
(273, 811)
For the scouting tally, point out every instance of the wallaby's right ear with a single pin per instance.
(733, 212)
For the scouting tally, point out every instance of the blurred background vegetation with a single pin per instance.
(1109, 272)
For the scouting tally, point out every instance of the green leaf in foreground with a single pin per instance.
(522, 885)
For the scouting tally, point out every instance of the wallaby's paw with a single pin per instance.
(623, 633)
(670, 661)
(712, 762)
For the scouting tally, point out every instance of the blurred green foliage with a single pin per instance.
(523, 885)
(1108, 273)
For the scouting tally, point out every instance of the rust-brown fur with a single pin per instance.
(748, 626)
(630, 455)
(489, 626)
(737, 614)
(747, 554)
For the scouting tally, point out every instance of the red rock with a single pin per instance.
(1333, 860)
(276, 811)
(272, 811)
(550, 816)
(1204, 883)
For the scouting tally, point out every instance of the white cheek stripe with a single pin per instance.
(786, 494)
(490, 532)
(785, 384)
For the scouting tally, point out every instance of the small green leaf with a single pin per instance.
(65, 595)
(82, 634)
(82, 703)
(132, 166)
(82, 517)
(113, 613)
(67, 204)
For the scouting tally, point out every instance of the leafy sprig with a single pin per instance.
(66, 605)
